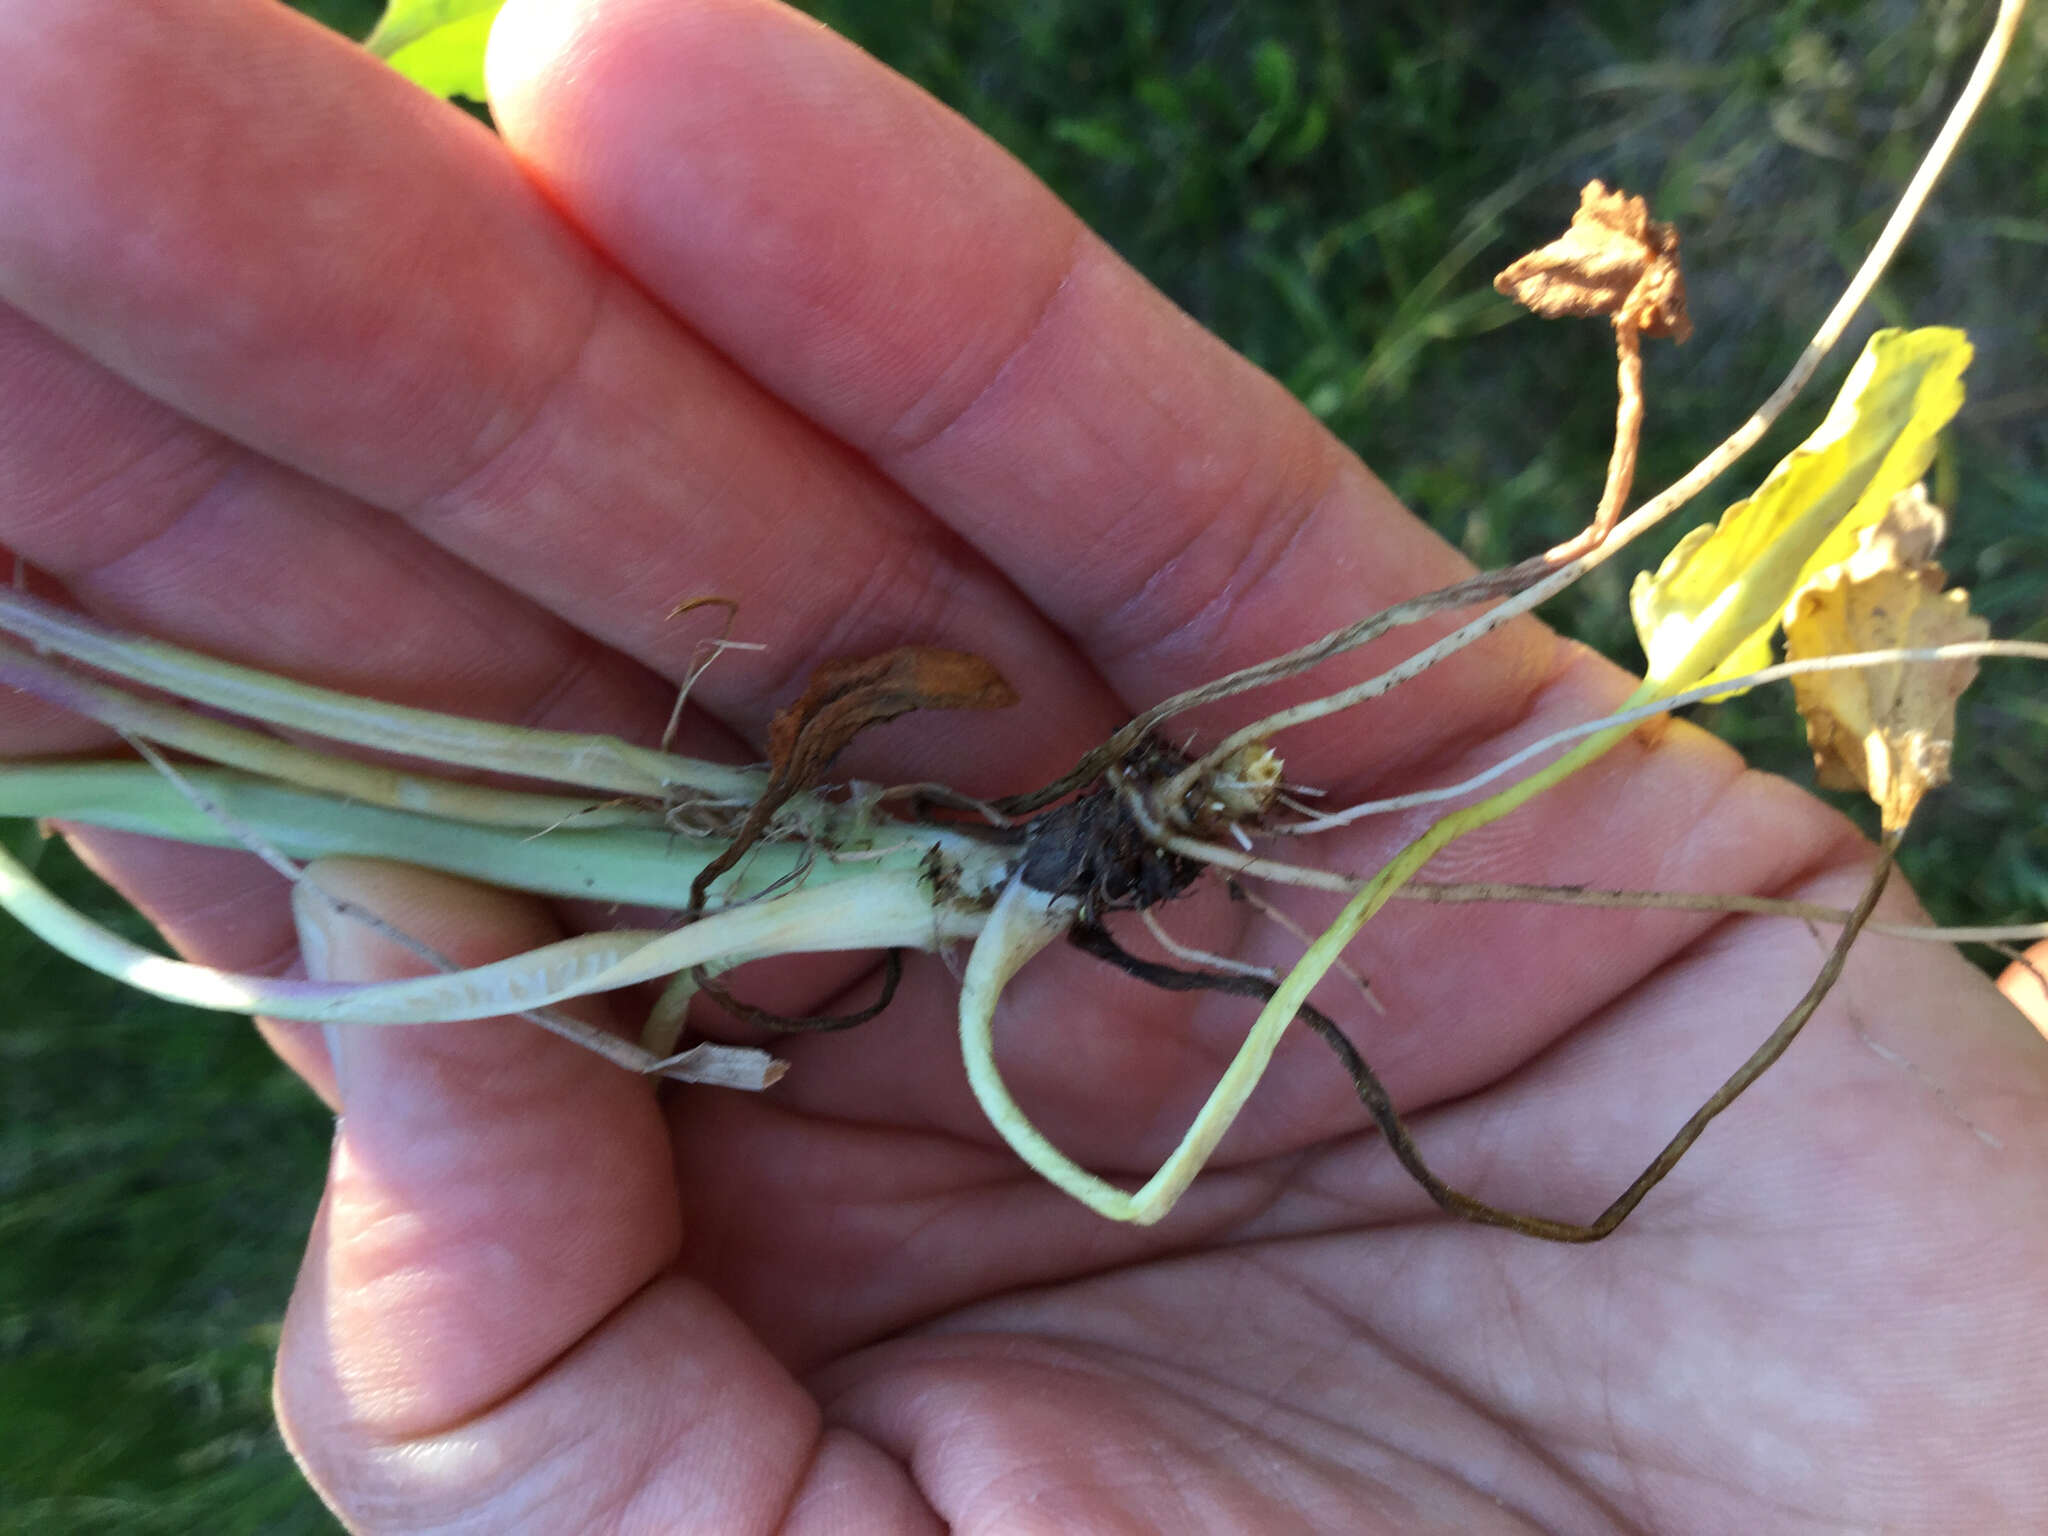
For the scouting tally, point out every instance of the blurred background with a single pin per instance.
(1330, 185)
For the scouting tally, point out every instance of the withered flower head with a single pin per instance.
(1615, 260)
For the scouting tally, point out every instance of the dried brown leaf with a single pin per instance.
(1615, 260)
(842, 699)
(845, 697)
(1887, 730)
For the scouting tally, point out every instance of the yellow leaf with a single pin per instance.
(1887, 730)
(1710, 610)
(438, 44)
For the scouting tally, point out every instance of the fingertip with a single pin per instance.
(527, 42)
(2025, 985)
(550, 63)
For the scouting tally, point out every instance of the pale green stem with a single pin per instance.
(592, 762)
(663, 1030)
(873, 911)
(1295, 988)
(634, 866)
(1024, 922)
(255, 752)
(631, 866)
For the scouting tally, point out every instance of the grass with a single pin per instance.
(158, 1171)
(1329, 186)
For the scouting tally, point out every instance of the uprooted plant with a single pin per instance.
(1836, 545)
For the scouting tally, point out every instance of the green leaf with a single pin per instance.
(1714, 603)
(437, 43)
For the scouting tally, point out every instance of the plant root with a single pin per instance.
(1093, 939)
(813, 1023)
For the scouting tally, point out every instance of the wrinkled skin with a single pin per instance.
(307, 369)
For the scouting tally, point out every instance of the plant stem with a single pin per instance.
(1308, 972)
(876, 910)
(625, 865)
(255, 752)
(1628, 437)
(592, 762)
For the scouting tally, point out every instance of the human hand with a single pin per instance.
(301, 369)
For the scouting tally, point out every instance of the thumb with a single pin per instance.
(490, 1332)
(494, 1191)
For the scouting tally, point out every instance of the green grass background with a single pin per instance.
(1330, 186)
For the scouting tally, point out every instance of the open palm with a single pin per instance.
(303, 368)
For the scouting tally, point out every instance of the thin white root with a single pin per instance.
(1288, 925)
(1187, 954)
(2022, 650)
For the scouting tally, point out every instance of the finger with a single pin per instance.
(2025, 985)
(496, 1191)
(484, 1279)
(484, 1328)
(154, 522)
(407, 321)
(890, 271)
